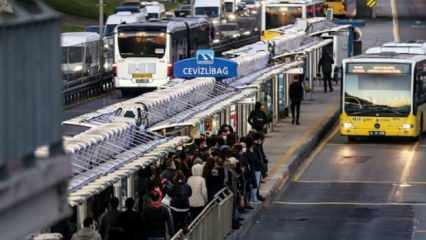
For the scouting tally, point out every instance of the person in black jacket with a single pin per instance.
(110, 228)
(296, 97)
(180, 194)
(215, 177)
(130, 221)
(155, 217)
(255, 166)
(257, 118)
(326, 65)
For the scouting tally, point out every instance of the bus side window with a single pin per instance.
(183, 49)
(204, 36)
(193, 41)
(421, 83)
(319, 10)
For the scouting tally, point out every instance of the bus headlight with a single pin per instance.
(77, 68)
(407, 126)
(347, 125)
(232, 17)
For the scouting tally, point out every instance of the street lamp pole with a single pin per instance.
(101, 34)
(396, 32)
(101, 18)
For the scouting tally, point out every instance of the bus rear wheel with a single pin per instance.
(352, 139)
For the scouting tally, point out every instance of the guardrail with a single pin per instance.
(236, 43)
(86, 87)
(214, 222)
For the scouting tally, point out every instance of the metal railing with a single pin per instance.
(214, 222)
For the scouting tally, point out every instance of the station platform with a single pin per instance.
(287, 145)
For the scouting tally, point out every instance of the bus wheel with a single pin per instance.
(351, 139)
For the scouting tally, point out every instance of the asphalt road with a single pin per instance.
(368, 190)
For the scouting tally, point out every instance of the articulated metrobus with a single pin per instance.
(342, 8)
(280, 13)
(146, 52)
(384, 92)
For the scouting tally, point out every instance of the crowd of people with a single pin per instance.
(187, 180)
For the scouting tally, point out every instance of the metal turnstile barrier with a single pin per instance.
(214, 222)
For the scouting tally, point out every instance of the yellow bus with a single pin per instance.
(384, 92)
(338, 7)
(281, 13)
(342, 8)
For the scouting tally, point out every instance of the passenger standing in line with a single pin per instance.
(198, 199)
(255, 169)
(326, 65)
(180, 194)
(257, 118)
(155, 218)
(296, 97)
(258, 149)
(88, 231)
(109, 227)
(215, 177)
(170, 171)
(239, 151)
(130, 221)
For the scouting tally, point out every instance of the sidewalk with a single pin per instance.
(287, 146)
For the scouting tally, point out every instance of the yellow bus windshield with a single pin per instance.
(378, 90)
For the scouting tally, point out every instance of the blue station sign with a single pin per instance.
(205, 64)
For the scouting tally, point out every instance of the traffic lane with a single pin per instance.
(418, 171)
(329, 222)
(376, 161)
(91, 105)
(377, 32)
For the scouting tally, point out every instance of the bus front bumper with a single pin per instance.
(379, 126)
(130, 83)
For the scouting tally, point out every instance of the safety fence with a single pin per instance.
(86, 87)
(214, 222)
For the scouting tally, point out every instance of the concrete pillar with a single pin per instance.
(117, 193)
(131, 186)
(81, 214)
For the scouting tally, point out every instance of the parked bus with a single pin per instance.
(384, 92)
(279, 13)
(342, 8)
(146, 52)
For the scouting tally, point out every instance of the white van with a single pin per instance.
(154, 10)
(211, 8)
(120, 18)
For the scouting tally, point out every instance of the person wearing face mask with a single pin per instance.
(88, 231)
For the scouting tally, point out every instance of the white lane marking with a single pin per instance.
(411, 183)
(349, 203)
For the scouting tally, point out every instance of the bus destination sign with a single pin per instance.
(378, 68)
